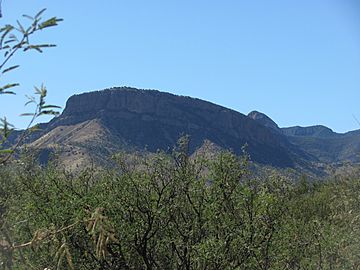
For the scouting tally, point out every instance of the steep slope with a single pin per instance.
(264, 120)
(152, 120)
(78, 145)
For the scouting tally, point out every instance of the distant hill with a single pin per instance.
(95, 125)
(318, 141)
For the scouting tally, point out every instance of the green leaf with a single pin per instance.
(9, 41)
(6, 30)
(49, 23)
(43, 91)
(8, 93)
(28, 17)
(6, 127)
(21, 28)
(33, 47)
(4, 122)
(27, 114)
(37, 90)
(31, 100)
(50, 106)
(45, 45)
(8, 86)
(48, 112)
(39, 13)
(38, 47)
(10, 68)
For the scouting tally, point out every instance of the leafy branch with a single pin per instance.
(15, 38)
(41, 108)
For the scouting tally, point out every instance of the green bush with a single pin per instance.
(175, 212)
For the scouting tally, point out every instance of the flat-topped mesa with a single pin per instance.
(131, 103)
(155, 120)
(139, 101)
(114, 99)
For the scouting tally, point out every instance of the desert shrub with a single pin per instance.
(175, 212)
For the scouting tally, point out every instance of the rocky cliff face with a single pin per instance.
(155, 120)
(264, 120)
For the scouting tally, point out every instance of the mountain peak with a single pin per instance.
(152, 120)
(263, 119)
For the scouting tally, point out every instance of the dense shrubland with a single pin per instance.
(175, 212)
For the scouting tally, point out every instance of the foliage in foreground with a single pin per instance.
(173, 212)
(13, 39)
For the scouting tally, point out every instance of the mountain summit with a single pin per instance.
(95, 125)
(152, 120)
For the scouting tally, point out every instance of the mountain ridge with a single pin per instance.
(155, 119)
(320, 141)
(151, 120)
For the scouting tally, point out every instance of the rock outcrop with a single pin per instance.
(264, 120)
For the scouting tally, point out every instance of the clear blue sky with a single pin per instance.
(296, 61)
